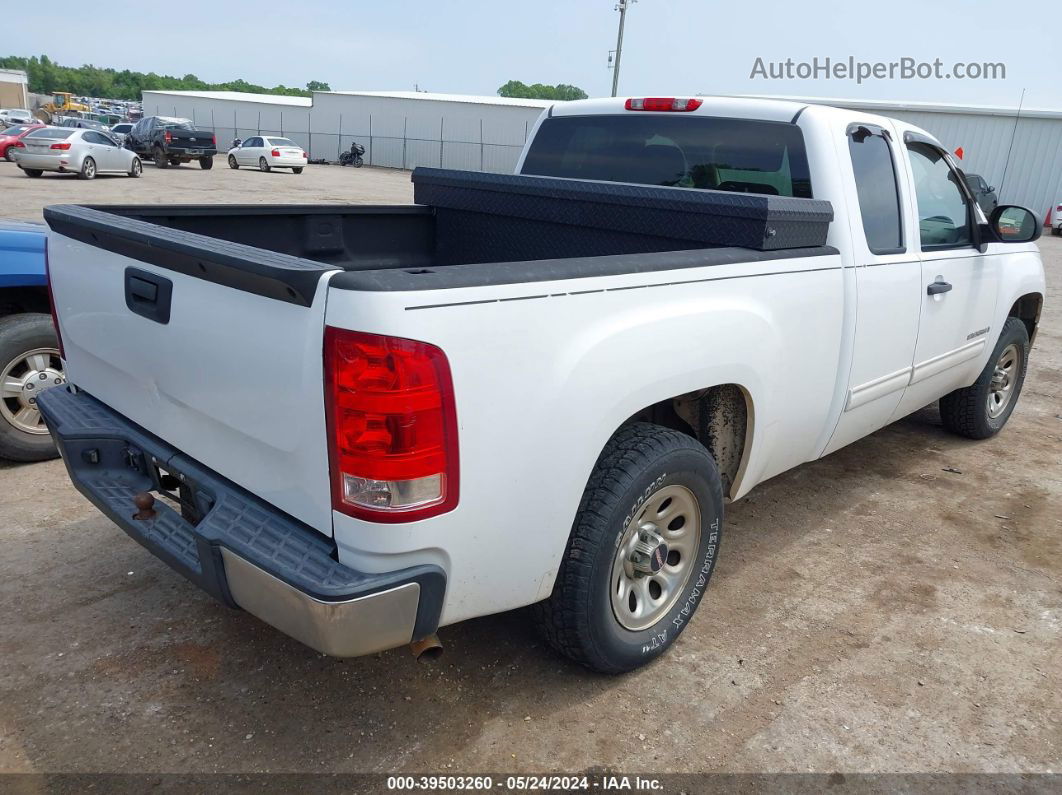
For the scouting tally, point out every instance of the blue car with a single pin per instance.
(29, 349)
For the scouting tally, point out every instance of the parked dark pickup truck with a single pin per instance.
(171, 141)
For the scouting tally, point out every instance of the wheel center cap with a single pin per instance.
(650, 552)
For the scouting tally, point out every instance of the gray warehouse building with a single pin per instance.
(1020, 155)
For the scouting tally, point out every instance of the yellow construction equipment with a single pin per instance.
(62, 104)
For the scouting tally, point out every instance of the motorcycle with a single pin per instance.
(353, 157)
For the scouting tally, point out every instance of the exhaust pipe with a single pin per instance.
(427, 649)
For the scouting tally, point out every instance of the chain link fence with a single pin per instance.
(406, 151)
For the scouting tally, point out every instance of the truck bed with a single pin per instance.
(490, 228)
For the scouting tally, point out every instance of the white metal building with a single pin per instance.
(13, 93)
(404, 129)
(399, 129)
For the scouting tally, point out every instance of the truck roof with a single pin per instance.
(741, 108)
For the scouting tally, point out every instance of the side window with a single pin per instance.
(91, 138)
(879, 194)
(943, 214)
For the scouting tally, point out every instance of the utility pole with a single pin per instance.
(621, 6)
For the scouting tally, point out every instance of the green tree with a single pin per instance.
(46, 76)
(561, 91)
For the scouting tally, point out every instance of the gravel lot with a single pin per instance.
(873, 611)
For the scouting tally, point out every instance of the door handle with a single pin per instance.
(938, 287)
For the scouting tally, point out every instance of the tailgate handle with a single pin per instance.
(148, 295)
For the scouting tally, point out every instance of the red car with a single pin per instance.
(13, 134)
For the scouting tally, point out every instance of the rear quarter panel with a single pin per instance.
(545, 373)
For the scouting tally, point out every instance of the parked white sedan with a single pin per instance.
(70, 150)
(268, 153)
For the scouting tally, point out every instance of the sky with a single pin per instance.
(473, 46)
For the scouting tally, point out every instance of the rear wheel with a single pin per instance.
(232, 162)
(206, 163)
(9, 154)
(137, 168)
(161, 161)
(88, 169)
(262, 164)
(983, 408)
(1056, 231)
(32, 172)
(297, 170)
(641, 552)
(175, 161)
(29, 364)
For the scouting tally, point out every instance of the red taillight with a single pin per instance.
(167, 137)
(64, 145)
(51, 301)
(275, 153)
(19, 145)
(214, 141)
(680, 104)
(304, 155)
(1058, 209)
(392, 427)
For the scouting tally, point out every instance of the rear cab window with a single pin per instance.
(738, 155)
(877, 188)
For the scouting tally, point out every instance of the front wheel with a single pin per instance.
(358, 162)
(206, 163)
(263, 165)
(161, 161)
(232, 163)
(137, 168)
(641, 551)
(983, 408)
(29, 364)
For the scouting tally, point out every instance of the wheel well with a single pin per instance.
(1027, 309)
(16, 300)
(718, 417)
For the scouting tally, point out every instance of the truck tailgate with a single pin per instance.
(212, 346)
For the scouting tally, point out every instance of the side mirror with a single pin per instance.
(991, 188)
(1014, 224)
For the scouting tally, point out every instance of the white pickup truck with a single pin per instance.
(366, 422)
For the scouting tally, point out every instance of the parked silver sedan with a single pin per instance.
(70, 150)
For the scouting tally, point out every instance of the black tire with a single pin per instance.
(161, 161)
(232, 163)
(206, 163)
(136, 169)
(296, 170)
(263, 165)
(20, 334)
(358, 162)
(966, 411)
(88, 169)
(1057, 231)
(176, 161)
(9, 154)
(32, 172)
(578, 619)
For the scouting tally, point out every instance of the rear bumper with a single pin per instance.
(241, 550)
(176, 152)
